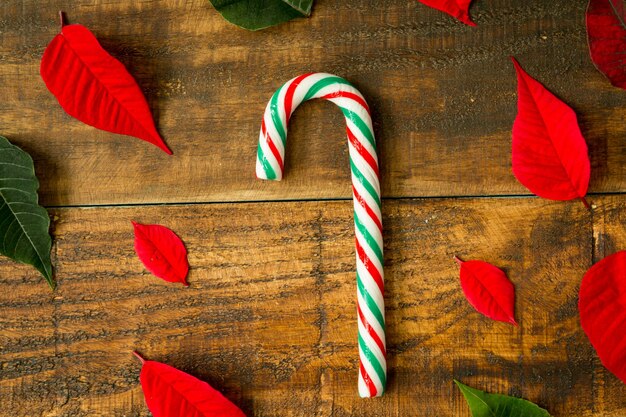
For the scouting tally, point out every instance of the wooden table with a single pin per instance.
(269, 317)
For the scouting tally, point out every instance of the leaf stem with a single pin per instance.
(138, 356)
(62, 18)
(458, 260)
(584, 200)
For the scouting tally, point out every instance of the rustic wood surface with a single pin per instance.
(269, 317)
(441, 92)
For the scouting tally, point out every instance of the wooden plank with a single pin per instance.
(269, 317)
(440, 92)
(609, 237)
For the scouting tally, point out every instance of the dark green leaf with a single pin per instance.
(24, 223)
(259, 14)
(303, 6)
(482, 404)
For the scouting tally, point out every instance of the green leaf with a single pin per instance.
(259, 14)
(482, 404)
(24, 223)
(303, 6)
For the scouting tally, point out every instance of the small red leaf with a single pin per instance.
(173, 393)
(162, 252)
(455, 8)
(549, 152)
(94, 87)
(602, 308)
(606, 31)
(488, 290)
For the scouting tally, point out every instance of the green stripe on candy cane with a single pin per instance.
(371, 242)
(269, 171)
(275, 111)
(373, 360)
(324, 82)
(361, 125)
(371, 304)
(366, 184)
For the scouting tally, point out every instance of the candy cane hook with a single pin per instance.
(366, 197)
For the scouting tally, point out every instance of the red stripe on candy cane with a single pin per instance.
(291, 90)
(368, 381)
(270, 144)
(371, 268)
(372, 332)
(362, 151)
(347, 94)
(367, 208)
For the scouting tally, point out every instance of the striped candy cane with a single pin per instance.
(366, 196)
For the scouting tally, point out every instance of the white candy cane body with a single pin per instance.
(366, 196)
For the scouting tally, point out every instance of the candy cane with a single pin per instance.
(366, 197)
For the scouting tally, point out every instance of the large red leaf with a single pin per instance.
(94, 87)
(606, 30)
(170, 392)
(602, 307)
(549, 152)
(488, 290)
(162, 252)
(455, 8)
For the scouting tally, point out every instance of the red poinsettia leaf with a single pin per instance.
(488, 290)
(549, 152)
(162, 252)
(455, 8)
(606, 30)
(94, 87)
(170, 392)
(602, 308)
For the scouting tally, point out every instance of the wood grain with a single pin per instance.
(609, 237)
(441, 92)
(269, 317)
